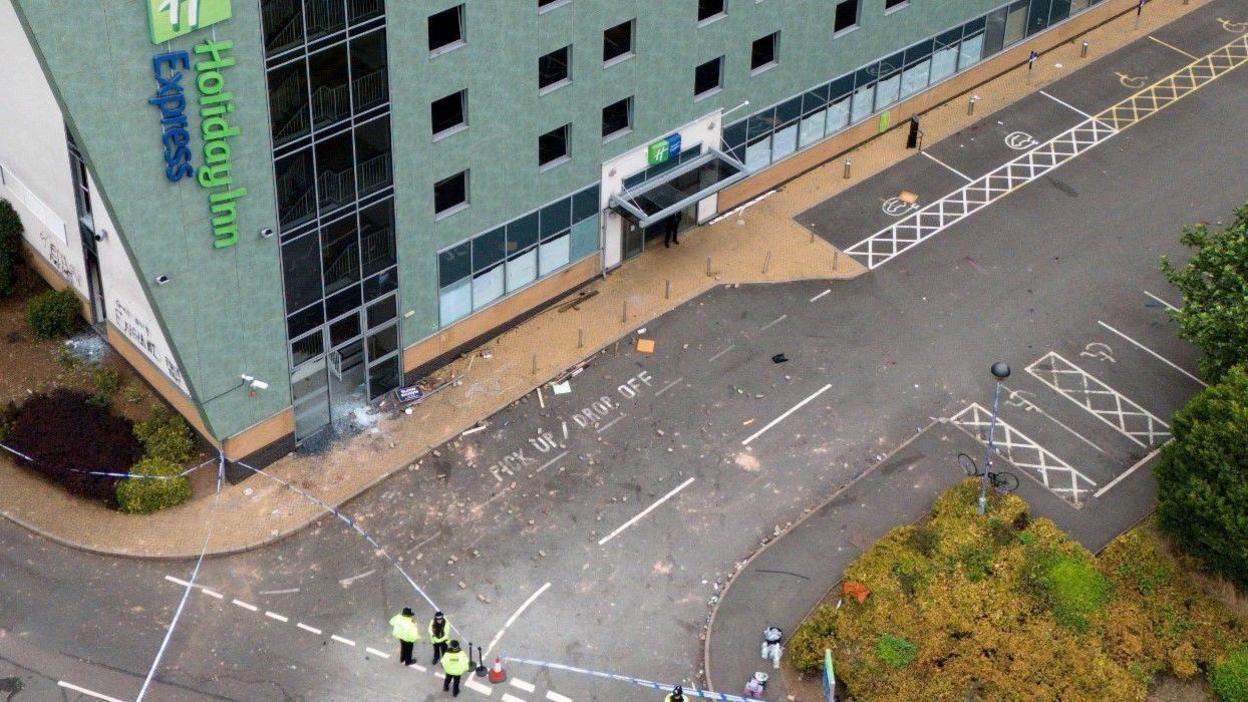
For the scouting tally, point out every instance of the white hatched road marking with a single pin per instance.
(1016, 447)
(1065, 104)
(526, 686)
(774, 322)
(1171, 46)
(1153, 353)
(1018, 398)
(825, 292)
(556, 697)
(910, 231)
(85, 691)
(1105, 403)
(1129, 471)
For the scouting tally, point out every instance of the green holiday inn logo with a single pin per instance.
(169, 19)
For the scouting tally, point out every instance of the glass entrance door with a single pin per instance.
(309, 387)
(634, 238)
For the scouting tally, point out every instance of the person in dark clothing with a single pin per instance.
(439, 635)
(671, 234)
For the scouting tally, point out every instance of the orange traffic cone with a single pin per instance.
(497, 674)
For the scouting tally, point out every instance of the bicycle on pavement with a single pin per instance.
(1004, 483)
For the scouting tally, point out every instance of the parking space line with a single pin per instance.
(1171, 46)
(212, 593)
(791, 410)
(644, 512)
(311, 629)
(1017, 399)
(1065, 104)
(1129, 471)
(526, 686)
(712, 359)
(1169, 306)
(246, 606)
(551, 462)
(341, 640)
(1016, 447)
(275, 615)
(508, 697)
(825, 292)
(955, 171)
(85, 691)
(514, 616)
(1153, 353)
(669, 386)
(774, 322)
(1103, 402)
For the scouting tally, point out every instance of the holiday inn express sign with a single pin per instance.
(167, 20)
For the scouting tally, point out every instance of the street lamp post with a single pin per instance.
(1000, 370)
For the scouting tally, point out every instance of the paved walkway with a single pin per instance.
(762, 243)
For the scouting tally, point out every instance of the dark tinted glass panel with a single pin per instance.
(815, 99)
(288, 102)
(709, 8)
(381, 284)
(307, 348)
(951, 37)
(866, 76)
(447, 112)
(283, 24)
(446, 28)
(919, 51)
(324, 17)
(343, 302)
(335, 178)
(383, 342)
(617, 41)
(585, 204)
(383, 377)
(734, 135)
(454, 264)
(841, 87)
(340, 245)
(301, 271)
(975, 25)
(994, 37)
(327, 76)
(553, 68)
(763, 51)
(788, 111)
(450, 192)
(361, 10)
(369, 84)
(1039, 17)
(762, 123)
(706, 77)
(846, 15)
(383, 311)
(304, 320)
(377, 237)
(1059, 11)
(556, 217)
(522, 233)
(296, 198)
(892, 64)
(489, 249)
(372, 154)
(344, 329)
(552, 145)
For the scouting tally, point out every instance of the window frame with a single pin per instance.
(463, 114)
(719, 78)
(460, 12)
(457, 207)
(775, 53)
(708, 19)
(853, 25)
(628, 122)
(631, 52)
(567, 70)
(550, 5)
(567, 148)
(891, 6)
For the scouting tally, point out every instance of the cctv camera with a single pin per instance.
(101, 235)
(162, 279)
(259, 385)
(266, 233)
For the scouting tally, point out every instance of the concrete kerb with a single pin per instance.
(806, 515)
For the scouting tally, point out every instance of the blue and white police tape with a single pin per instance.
(107, 474)
(660, 687)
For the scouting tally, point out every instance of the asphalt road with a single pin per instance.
(709, 428)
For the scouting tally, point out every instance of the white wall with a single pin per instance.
(706, 131)
(34, 160)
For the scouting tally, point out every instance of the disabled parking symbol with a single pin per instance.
(1129, 81)
(1233, 27)
(1020, 141)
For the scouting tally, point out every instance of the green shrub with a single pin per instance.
(10, 246)
(8, 414)
(1202, 478)
(1076, 590)
(166, 436)
(147, 495)
(1230, 677)
(53, 313)
(107, 381)
(896, 651)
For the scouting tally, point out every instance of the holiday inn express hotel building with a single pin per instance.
(326, 196)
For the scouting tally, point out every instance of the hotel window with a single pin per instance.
(448, 114)
(548, 5)
(617, 118)
(554, 69)
(708, 77)
(450, 195)
(617, 42)
(552, 147)
(890, 4)
(846, 15)
(446, 30)
(710, 9)
(765, 52)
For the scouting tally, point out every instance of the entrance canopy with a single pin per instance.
(652, 201)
